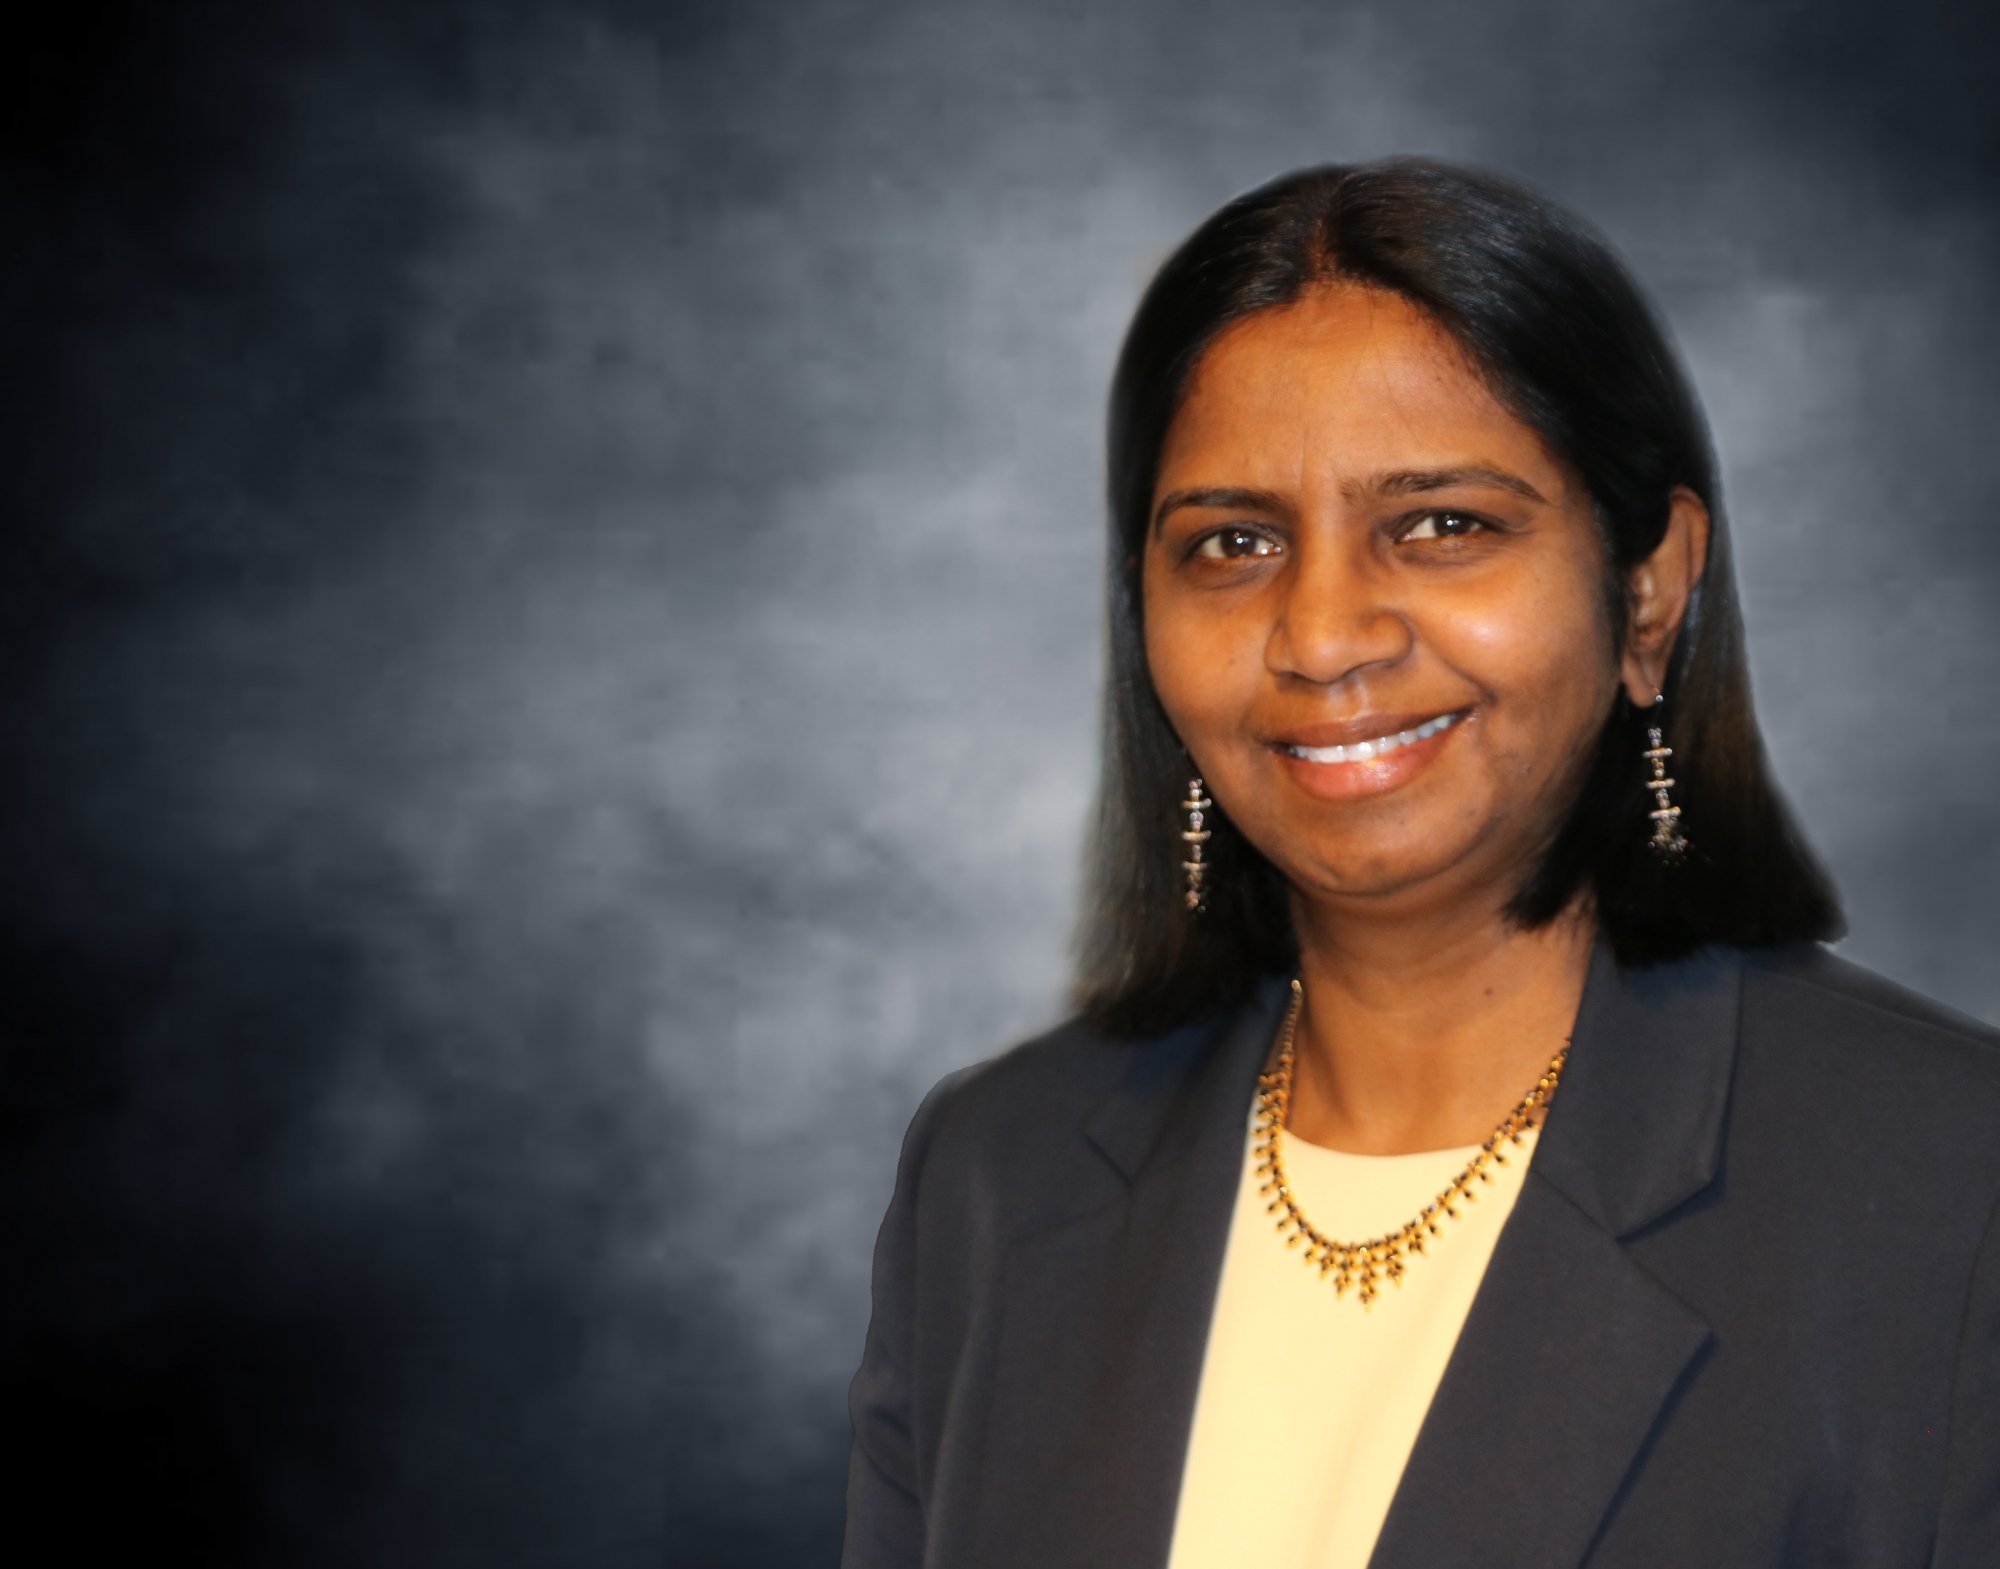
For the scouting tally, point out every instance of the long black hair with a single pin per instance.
(1566, 340)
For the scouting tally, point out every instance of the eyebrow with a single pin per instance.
(1402, 482)
(1232, 496)
(1414, 482)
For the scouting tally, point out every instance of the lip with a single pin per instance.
(1338, 781)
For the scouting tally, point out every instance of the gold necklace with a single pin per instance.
(1364, 1265)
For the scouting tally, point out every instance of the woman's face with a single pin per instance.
(1374, 605)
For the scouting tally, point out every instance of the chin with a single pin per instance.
(1375, 870)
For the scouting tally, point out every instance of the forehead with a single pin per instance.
(1344, 382)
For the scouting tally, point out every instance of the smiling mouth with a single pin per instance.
(1380, 746)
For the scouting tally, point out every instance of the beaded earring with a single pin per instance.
(1194, 836)
(1668, 843)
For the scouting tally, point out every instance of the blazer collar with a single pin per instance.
(1103, 1316)
(1572, 1349)
(1636, 1127)
(1127, 1127)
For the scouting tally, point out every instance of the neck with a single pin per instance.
(1423, 1032)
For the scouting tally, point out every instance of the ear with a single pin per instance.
(1659, 589)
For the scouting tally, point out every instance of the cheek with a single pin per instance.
(1180, 673)
(1204, 664)
(1541, 648)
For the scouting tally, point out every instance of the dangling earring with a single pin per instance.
(1668, 843)
(1194, 836)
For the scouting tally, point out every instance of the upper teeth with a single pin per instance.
(1362, 751)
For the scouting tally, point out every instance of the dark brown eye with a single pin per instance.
(1443, 525)
(1230, 544)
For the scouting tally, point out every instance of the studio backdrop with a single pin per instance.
(553, 558)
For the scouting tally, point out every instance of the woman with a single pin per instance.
(1465, 1153)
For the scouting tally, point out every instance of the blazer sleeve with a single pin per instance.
(1969, 1519)
(885, 1512)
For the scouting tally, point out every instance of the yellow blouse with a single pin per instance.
(1310, 1403)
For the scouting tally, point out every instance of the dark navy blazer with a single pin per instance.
(1746, 1310)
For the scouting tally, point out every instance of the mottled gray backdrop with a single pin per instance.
(550, 639)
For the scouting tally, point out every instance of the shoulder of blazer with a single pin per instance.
(1856, 1057)
(1878, 1006)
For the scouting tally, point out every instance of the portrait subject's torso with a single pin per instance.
(1686, 1347)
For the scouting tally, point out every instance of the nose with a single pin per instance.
(1338, 617)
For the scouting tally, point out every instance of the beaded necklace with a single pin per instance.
(1364, 1265)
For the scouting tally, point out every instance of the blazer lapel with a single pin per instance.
(1571, 1349)
(1104, 1318)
